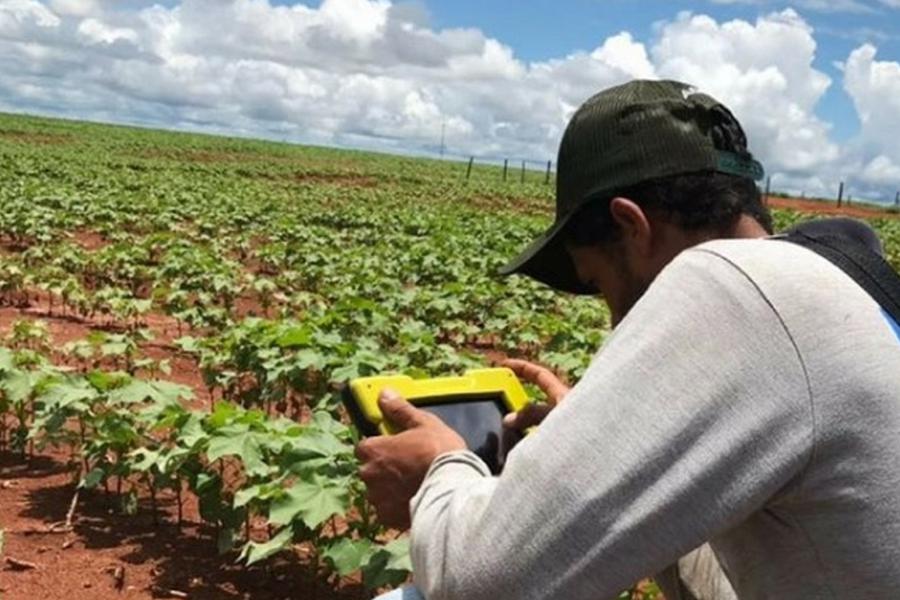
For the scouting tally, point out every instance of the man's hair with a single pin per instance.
(701, 201)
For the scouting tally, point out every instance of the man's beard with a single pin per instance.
(634, 287)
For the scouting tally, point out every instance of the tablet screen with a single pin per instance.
(479, 422)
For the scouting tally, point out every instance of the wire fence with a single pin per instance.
(843, 197)
(512, 170)
(508, 169)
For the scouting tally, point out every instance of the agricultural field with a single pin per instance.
(177, 313)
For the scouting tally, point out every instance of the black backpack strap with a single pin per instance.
(865, 266)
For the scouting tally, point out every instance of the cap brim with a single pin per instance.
(547, 261)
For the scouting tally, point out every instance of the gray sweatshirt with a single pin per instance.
(750, 399)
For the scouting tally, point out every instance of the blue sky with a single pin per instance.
(816, 83)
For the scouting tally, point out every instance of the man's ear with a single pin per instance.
(633, 223)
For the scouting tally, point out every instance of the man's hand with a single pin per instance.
(545, 379)
(393, 466)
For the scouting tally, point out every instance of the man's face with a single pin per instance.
(610, 270)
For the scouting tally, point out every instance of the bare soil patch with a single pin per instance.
(89, 240)
(527, 206)
(201, 156)
(27, 137)
(11, 245)
(340, 179)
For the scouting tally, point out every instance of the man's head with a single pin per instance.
(645, 170)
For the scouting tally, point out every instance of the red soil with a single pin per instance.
(89, 240)
(36, 138)
(152, 558)
(339, 179)
(822, 207)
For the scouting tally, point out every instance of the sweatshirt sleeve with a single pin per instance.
(694, 414)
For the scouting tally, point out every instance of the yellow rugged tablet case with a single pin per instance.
(361, 394)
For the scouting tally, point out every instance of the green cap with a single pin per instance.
(623, 136)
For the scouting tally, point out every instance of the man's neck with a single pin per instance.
(747, 227)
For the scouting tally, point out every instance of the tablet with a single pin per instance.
(472, 404)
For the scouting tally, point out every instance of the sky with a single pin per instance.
(815, 83)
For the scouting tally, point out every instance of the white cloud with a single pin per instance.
(763, 71)
(19, 14)
(881, 170)
(375, 74)
(78, 8)
(94, 31)
(874, 87)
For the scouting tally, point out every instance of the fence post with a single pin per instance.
(768, 188)
(840, 194)
(897, 199)
(547, 177)
(505, 167)
(522, 178)
(469, 168)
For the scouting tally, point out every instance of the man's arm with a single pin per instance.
(695, 414)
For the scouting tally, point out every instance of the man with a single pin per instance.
(748, 397)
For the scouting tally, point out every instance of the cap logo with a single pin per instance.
(731, 163)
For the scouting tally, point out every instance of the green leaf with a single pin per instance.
(345, 373)
(114, 348)
(263, 491)
(311, 502)
(6, 360)
(389, 565)
(191, 432)
(398, 551)
(105, 381)
(157, 391)
(347, 556)
(310, 359)
(145, 459)
(247, 446)
(323, 421)
(18, 385)
(130, 503)
(255, 552)
(312, 443)
(223, 413)
(328, 340)
(94, 477)
(295, 337)
(188, 344)
(72, 393)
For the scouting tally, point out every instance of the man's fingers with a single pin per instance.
(540, 376)
(529, 416)
(398, 411)
(393, 515)
(392, 508)
(364, 450)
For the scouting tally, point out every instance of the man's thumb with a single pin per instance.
(397, 411)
